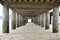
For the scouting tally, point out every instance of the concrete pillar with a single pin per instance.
(42, 21)
(21, 20)
(50, 18)
(38, 20)
(17, 19)
(13, 22)
(55, 19)
(25, 20)
(47, 21)
(33, 20)
(5, 19)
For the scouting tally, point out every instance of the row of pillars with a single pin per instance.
(17, 20)
(44, 20)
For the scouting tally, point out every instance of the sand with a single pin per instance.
(31, 32)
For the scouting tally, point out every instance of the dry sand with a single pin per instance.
(31, 32)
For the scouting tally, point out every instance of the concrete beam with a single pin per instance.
(30, 1)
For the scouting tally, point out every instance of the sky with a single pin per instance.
(1, 12)
(10, 12)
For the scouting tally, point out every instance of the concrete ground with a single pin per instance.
(31, 32)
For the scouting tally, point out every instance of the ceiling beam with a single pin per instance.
(30, 0)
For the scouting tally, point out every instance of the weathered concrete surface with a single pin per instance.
(13, 24)
(17, 20)
(55, 19)
(43, 15)
(31, 32)
(5, 19)
(47, 21)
